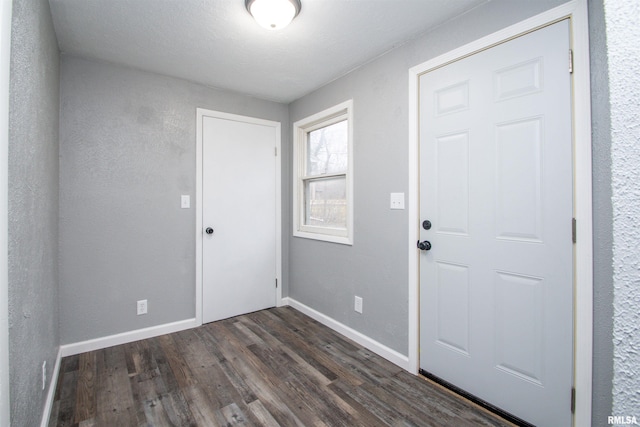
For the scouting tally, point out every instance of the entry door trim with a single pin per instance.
(5, 67)
(576, 11)
(201, 114)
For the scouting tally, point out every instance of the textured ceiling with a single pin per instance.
(217, 43)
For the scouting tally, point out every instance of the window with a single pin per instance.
(323, 164)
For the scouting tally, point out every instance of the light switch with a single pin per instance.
(185, 201)
(397, 200)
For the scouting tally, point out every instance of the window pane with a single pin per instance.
(326, 202)
(327, 149)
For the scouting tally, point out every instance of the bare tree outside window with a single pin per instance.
(325, 189)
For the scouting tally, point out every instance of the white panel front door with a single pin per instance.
(496, 287)
(239, 212)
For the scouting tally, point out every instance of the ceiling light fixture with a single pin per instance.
(273, 14)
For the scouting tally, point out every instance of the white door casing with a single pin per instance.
(496, 181)
(5, 66)
(576, 11)
(239, 198)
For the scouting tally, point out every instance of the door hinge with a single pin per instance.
(570, 61)
(276, 282)
(573, 400)
(275, 151)
(573, 230)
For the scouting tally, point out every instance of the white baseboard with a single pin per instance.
(126, 337)
(380, 349)
(51, 391)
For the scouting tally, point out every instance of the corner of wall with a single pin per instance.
(33, 209)
(602, 399)
(622, 23)
(5, 62)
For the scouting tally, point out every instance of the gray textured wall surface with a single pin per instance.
(33, 207)
(375, 267)
(623, 42)
(127, 153)
(602, 218)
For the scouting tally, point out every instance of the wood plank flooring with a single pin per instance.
(275, 367)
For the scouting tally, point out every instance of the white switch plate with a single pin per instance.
(185, 201)
(142, 307)
(358, 305)
(397, 200)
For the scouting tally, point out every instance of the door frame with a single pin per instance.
(576, 11)
(201, 113)
(5, 69)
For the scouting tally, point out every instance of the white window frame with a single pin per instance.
(301, 128)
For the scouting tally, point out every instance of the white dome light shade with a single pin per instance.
(273, 14)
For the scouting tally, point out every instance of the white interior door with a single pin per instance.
(496, 287)
(238, 217)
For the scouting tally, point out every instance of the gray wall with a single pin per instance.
(127, 153)
(375, 267)
(623, 44)
(602, 218)
(33, 207)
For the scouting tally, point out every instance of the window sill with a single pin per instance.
(343, 240)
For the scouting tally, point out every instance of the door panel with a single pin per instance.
(518, 180)
(496, 180)
(519, 326)
(453, 306)
(453, 186)
(239, 257)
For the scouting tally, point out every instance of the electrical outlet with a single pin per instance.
(397, 201)
(358, 305)
(142, 307)
(44, 374)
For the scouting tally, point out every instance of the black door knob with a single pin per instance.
(209, 230)
(424, 246)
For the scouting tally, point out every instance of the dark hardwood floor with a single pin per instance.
(269, 368)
